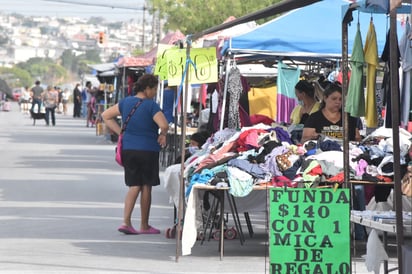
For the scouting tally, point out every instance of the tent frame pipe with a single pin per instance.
(183, 151)
(345, 70)
(394, 76)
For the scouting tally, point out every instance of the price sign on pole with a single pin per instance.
(171, 64)
(309, 231)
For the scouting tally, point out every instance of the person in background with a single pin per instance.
(140, 151)
(86, 95)
(196, 142)
(91, 109)
(25, 99)
(328, 119)
(65, 100)
(37, 92)
(59, 108)
(305, 92)
(168, 101)
(50, 100)
(77, 101)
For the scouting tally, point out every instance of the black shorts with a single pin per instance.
(141, 167)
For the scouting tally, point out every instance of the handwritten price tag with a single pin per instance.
(171, 63)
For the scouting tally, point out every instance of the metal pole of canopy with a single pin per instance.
(183, 151)
(345, 68)
(394, 79)
(345, 81)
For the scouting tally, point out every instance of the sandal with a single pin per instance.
(151, 230)
(127, 230)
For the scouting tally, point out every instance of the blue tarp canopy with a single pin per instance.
(312, 31)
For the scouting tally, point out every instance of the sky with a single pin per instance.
(54, 8)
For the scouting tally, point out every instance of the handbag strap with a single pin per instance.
(130, 115)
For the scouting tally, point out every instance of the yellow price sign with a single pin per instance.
(161, 61)
(202, 68)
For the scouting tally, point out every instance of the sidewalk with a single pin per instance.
(61, 201)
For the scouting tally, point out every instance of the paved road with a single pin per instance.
(61, 201)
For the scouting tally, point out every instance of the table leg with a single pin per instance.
(222, 222)
(249, 224)
(385, 246)
(210, 220)
(235, 215)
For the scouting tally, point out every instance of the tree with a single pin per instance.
(68, 60)
(192, 16)
(44, 68)
(24, 78)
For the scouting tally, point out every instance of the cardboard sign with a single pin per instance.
(309, 231)
(171, 64)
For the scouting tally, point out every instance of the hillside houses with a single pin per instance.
(22, 38)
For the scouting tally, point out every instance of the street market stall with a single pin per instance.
(395, 136)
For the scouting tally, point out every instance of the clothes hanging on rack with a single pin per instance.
(234, 90)
(239, 114)
(386, 81)
(355, 101)
(371, 59)
(406, 58)
(213, 122)
(286, 98)
(263, 101)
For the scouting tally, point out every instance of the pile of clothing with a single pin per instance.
(266, 155)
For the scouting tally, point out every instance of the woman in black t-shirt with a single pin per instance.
(328, 120)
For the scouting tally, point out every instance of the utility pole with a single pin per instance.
(144, 23)
(153, 26)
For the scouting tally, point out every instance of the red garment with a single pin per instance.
(384, 179)
(259, 118)
(317, 170)
(248, 139)
(338, 178)
(281, 181)
(340, 77)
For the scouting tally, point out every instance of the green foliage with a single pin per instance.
(69, 60)
(192, 16)
(12, 74)
(45, 69)
(92, 56)
(78, 64)
(137, 52)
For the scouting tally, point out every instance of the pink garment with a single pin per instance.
(360, 168)
(221, 156)
(249, 139)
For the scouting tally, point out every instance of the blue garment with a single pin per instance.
(84, 95)
(253, 169)
(329, 145)
(199, 178)
(141, 131)
(168, 100)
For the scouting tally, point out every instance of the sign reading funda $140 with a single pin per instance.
(309, 231)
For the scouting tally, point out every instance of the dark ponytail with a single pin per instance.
(146, 80)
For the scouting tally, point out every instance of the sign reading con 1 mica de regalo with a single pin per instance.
(309, 231)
